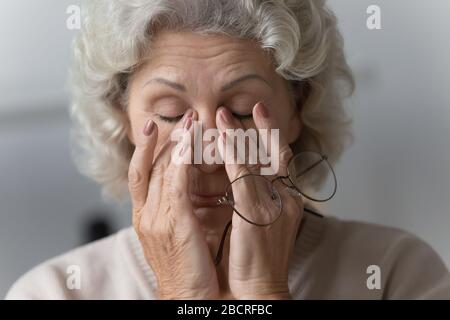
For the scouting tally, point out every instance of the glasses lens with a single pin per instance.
(255, 199)
(311, 173)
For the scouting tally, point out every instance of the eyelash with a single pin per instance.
(170, 119)
(178, 118)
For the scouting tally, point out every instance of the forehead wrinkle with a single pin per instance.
(204, 51)
(167, 71)
(172, 65)
(191, 41)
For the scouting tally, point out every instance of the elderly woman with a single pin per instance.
(222, 230)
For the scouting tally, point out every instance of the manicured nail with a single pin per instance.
(149, 127)
(188, 114)
(226, 116)
(188, 123)
(262, 110)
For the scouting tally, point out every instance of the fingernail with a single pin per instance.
(188, 114)
(226, 116)
(262, 110)
(188, 123)
(148, 128)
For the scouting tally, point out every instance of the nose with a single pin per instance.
(206, 153)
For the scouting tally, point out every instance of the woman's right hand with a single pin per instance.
(172, 239)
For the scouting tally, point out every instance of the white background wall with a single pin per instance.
(397, 172)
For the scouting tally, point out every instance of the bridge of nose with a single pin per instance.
(205, 140)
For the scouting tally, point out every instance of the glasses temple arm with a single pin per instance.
(222, 244)
(309, 168)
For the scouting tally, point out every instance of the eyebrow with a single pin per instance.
(168, 83)
(228, 86)
(244, 78)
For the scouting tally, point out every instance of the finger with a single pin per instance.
(141, 163)
(239, 160)
(275, 144)
(178, 190)
(163, 155)
(163, 159)
(235, 170)
(296, 210)
(157, 175)
(155, 200)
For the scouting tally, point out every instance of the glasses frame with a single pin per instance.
(291, 185)
(226, 199)
(322, 158)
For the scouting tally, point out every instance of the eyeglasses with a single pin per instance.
(309, 174)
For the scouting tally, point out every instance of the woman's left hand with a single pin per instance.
(259, 256)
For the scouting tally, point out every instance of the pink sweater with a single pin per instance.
(333, 259)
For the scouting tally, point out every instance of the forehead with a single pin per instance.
(188, 52)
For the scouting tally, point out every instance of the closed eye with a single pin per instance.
(178, 118)
(171, 119)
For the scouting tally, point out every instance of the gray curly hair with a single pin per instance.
(116, 35)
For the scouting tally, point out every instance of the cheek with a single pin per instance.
(285, 113)
(164, 135)
(286, 124)
(281, 112)
(138, 120)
